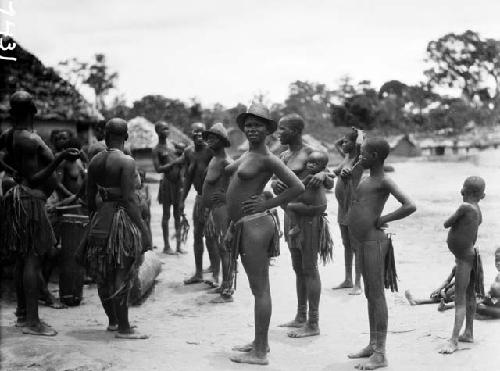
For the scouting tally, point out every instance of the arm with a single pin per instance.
(407, 205)
(188, 178)
(303, 209)
(46, 172)
(131, 202)
(91, 191)
(455, 217)
(60, 178)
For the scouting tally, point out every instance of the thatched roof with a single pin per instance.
(55, 98)
(142, 134)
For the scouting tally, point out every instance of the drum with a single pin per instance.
(71, 274)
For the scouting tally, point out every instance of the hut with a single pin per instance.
(404, 145)
(59, 104)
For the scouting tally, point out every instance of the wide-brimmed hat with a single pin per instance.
(219, 130)
(260, 111)
(21, 101)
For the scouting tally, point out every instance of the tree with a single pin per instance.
(467, 62)
(100, 79)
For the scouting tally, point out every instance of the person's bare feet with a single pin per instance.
(251, 357)
(208, 270)
(410, 298)
(450, 347)
(246, 348)
(356, 290)
(21, 322)
(40, 328)
(376, 360)
(297, 322)
(192, 280)
(181, 251)
(111, 327)
(347, 284)
(222, 299)
(363, 353)
(131, 334)
(466, 337)
(442, 306)
(169, 251)
(305, 331)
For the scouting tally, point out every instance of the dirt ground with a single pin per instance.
(189, 333)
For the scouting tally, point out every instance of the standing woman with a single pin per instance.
(253, 233)
(350, 146)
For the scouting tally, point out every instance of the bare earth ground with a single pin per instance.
(188, 333)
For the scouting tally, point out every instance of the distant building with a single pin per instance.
(404, 145)
(60, 105)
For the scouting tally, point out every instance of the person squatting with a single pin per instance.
(234, 216)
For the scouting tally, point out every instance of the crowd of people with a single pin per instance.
(234, 216)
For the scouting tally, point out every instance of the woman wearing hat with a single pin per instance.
(253, 233)
(214, 199)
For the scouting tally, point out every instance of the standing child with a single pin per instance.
(365, 222)
(462, 236)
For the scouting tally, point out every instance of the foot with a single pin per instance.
(356, 290)
(222, 299)
(208, 270)
(247, 348)
(347, 284)
(112, 327)
(217, 290)
(251, 358)
(211, 283)
(450, 347)
(193, 280)
(305, 331)
(41, 329)
(21, 322)
(55, 304)
(363, 353)
(169, 251)
(131, 334)
(376, 360)
(297, 323)
(466, 337)
(442, 306)
(410, 298)
(181, 251)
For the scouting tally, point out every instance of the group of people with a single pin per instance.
(233, 216)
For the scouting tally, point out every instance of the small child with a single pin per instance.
(489, 307)
(312, 198)
(462, 237)
(443, 294)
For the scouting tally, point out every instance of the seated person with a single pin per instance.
(445, 292)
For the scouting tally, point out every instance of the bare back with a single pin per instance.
(107, 166)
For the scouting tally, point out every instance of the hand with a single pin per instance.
(345, 173)
(381, 223)
(316, 180)
(218, 198)
(436, 293)
(278, 187)
(70, 153)
(255, 204)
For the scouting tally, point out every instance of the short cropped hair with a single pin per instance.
(293, 120)
(379, 145)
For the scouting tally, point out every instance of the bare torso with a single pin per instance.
(463, 233)
(165, 154)
(73, 175)
(366, 207)
(106, 168)
(312, 196)
(198, 160)
(215, 180)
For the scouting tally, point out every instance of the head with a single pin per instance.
(497, 259)
(348, 143)
(197, 130)
(290, 127)
(473, 188)
(216, 137)
(162, 128)
(53, 137)
(99, 130)
(116, 131)
(62, 139)
(22, 108)
(257, 111)
(374, 151)
(179, 148)
(316, 162)
(256, 129)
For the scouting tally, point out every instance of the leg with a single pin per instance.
(301, 289)
(255, 240)
(198, 226)
(462, 279)
(177, 224)
(348, 255)
(31, 277)
(470, 312)
(48, 264)
(164, 225)
(213, 254)
(105, 290)
(414, 301)
(21, 298)
(120, 301)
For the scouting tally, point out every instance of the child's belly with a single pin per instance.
(461, 246)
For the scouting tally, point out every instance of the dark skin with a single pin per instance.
(464, 224)
(308, 284)
(197, 159)
(214, 189)
(249, 175)
(169, 164)
(34, 165)
(365, 222)
(114, 169)
(348, 147)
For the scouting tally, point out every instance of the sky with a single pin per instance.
(227, 51)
